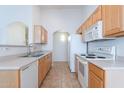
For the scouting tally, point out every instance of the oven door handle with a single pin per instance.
(83, 62)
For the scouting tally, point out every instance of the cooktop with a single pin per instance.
(92, 56)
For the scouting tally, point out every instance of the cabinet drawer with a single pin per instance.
(96, 70)
(94, 81)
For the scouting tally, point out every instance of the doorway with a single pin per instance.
(60, 46)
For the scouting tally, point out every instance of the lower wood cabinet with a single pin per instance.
(76, 65)
(43, 67)
(29, 76)
(9, 79)
(96, 77)
(26, 77)
(94, 81)
(41, 70)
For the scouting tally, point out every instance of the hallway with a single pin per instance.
(60, 77)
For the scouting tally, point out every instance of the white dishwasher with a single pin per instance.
(29, 76)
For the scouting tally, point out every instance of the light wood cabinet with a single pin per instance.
(40, 34)
(89, 22)
(9, 79)
(97, 15)
(79, 31)
(94, 81)
(113, 20)
(76, 65)
(25, 77)
(96, 76)
(111, 16)
(44, 65)
(84, 28)
(41, 72)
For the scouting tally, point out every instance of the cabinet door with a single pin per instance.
(50, 59)
(46, 36)
(46, 64)
(111, 15)
(37, 34)
(115, 19)
(76, 65)
(9, 79)
(89, 23)
(41, 71)
(94, 81)
(97, 15)
(79, 31)
(106, 16)
(40, 34)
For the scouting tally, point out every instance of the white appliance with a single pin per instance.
(98, 53)
(94, 32)
(75, 46)
(83, 72)
(29, 76)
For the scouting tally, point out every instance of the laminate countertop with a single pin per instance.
(105, 64)
(17, 62)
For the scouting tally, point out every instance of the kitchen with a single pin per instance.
(78, 46)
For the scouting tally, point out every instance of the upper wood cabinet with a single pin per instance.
(89, 22)
(97, 15)
(111, 16)
(40, 34)
(79, 31)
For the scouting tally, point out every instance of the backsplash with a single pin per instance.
(7, 51)
(118, 43)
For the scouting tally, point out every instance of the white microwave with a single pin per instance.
(94, 32)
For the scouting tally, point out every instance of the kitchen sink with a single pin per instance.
(33, 55)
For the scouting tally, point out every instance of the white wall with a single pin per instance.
(53, 20)
(9, 14)
(118, 42)
(60, 47)
(87, 11)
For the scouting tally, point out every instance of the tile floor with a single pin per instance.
(60, 77)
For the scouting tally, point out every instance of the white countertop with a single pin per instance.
(16, 63)
(106, 64)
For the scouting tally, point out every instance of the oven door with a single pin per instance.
(83, 73)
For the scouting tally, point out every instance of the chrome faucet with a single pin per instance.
(29, 48)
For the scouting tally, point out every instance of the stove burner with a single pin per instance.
(101, 57)
(90, 57)
(83, 54)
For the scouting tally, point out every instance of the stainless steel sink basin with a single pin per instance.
(33, 55)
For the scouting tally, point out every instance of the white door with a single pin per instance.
(60, 46)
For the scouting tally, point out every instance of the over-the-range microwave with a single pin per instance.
(95, 32)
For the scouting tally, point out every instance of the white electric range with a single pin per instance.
(98, 53)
